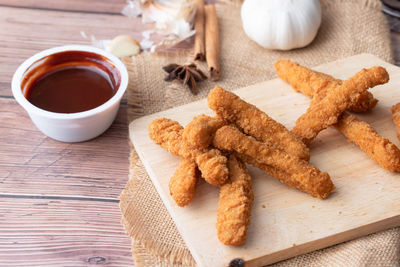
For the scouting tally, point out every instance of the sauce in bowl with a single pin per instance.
(70, 82)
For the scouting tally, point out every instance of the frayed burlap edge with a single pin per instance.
(174, 254)
(177, 253)
(144, 258)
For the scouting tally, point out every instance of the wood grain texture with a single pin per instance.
(395, 37)
(286, 222)
(31, 163)
(24, 32)
(91, 6)
(43, 232)
(58, 201)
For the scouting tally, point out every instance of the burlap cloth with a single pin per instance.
(348, 28)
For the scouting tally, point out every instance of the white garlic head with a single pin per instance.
(281, 24)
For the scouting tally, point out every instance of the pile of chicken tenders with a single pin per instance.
(217, 148)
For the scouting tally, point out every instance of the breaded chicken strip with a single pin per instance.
(166, 133)
(316, 84)
(255, 122)
(377, 147)
(234, 206)
(200, 131)
(356, 131)
(271, 171)
(183, 183)
(326, 112)
(202, 127)
(212, 164)
(396, 118)
(303, 176)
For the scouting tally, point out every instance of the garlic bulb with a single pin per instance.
(281, 24)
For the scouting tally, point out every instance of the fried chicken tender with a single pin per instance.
(166, 133)
(303, 176)
(255, 122)
(396, 118)
(377, 147)
(200, 131)
(211, 163)
(183, 183)
(234, 206)
(312, 84)
(316, 84)
(271, 171)
(326, 112)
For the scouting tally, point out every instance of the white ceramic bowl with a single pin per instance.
(71, 127)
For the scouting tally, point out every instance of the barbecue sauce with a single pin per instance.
(71, 81)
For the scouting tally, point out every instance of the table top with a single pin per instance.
(59, 201)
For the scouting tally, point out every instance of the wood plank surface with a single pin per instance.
(395, 37)
(366, 198)
(90, 6)
(31, 163)
(62, 232)
(58, 202)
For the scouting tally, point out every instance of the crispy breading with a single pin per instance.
(166, 133)
(303, 176)
(326, 112)
(211, 163)
(356, 131)
(316, 84)
(377, 147)
(202, 127)
(200, 131)
(396, 118)
(182, 184)
(234, 205)
(271, 171)
(255, 122)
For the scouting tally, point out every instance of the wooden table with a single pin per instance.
(59, 201)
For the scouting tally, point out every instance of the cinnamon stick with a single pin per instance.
(212, 42)
(199, 46)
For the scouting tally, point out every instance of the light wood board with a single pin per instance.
(286, 222)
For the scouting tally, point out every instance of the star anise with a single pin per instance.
(189, 75)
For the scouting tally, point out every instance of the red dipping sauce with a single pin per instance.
(70, 82)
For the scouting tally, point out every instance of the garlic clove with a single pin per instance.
(124, 46)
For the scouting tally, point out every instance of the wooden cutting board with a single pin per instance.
(286, 222)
